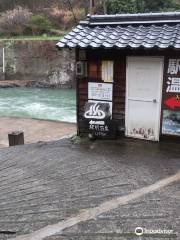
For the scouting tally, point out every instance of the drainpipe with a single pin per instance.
(4, 69)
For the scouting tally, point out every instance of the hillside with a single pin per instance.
(54, 17)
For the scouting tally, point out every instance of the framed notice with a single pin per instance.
(100, 91)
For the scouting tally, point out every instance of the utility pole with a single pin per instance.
(105, 6)
(92, 7)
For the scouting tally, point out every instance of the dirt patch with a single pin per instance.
(34, 130)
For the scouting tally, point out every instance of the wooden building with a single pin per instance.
(128, 74)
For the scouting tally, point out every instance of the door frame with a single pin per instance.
(161, 58)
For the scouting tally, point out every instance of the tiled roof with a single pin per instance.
(126, 31)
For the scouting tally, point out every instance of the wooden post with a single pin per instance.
(16, 138)
(105, 6)
(92, 7)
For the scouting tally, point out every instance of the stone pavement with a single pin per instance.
(45, 183)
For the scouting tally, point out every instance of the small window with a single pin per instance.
(107, 71)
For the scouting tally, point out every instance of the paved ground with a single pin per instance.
(43, 184)
(34, 130)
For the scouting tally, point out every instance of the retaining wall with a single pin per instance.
(40, 61)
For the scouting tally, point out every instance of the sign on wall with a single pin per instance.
(171, 98)
(98, 115)
(100, 91)
(98, 109)
(109, 103)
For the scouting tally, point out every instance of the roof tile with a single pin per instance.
(162, 35)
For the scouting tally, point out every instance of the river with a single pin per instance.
(49, 104)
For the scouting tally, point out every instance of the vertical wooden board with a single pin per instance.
(94, 70)
(119, 91)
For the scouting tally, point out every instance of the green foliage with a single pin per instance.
(123, 6)
(40, 21)
(134, 6)
(159, 5)
(75, 139)
(113, 6)
(27, 17)
(39, 24)
(12, 39)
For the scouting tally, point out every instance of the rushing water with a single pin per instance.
(51, 104)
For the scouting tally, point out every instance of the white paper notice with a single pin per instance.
(100, 91)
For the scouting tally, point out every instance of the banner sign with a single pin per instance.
(171, 98)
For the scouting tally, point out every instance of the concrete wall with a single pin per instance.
(40, 61)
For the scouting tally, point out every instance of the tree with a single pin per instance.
(15, 21)
(121, 6)
(133, 6)
(158, 5)
(39, 24)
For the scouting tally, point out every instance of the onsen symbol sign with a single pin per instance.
(98, 116)
(97, 110)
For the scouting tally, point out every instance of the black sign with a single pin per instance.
(99, 119)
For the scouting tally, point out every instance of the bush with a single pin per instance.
(79, 13)
(64, 19)
(39, 24)
(14, 22)
(61, 18)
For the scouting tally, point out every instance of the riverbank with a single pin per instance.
(31, 83)
(17, 83)
(34, 130)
